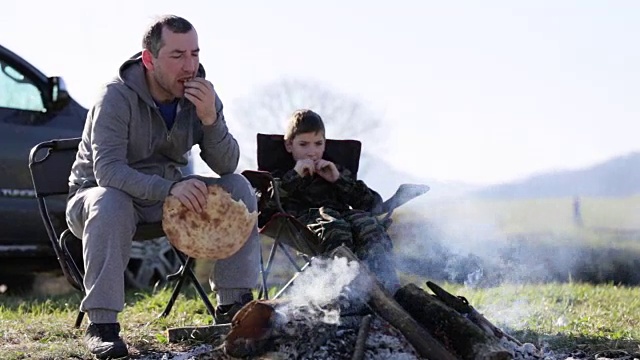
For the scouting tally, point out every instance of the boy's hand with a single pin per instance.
(327, 170)
(192, 193)
(200, 92)
(305, 167)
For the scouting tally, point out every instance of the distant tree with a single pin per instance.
(268, 109)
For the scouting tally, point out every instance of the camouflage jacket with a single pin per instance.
(299, 194)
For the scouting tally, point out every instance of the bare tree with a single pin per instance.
(268, 109)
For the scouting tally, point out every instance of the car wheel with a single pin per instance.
(150, 263)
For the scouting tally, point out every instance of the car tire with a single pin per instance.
(150, 263)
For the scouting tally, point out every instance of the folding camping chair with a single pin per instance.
(285, 230)
(50, 165)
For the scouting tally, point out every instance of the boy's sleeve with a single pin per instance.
(290, 181)
(356, 193)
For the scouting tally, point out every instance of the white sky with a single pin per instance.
(472, 91)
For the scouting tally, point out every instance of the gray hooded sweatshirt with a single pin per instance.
(126, 144)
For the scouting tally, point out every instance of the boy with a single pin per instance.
(325, 197)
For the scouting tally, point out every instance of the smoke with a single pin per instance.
(482, 244)
(320, 291)
(508, 316)
(441, 247)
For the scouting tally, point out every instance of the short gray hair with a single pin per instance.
(152, 39)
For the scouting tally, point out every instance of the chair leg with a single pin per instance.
(263, 278)
(79, 319)
(289, 256)
(290, 282)
(201, 292)
(184, 273)
(265, 270)
(176, 289)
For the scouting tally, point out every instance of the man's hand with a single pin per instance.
(305, 167)
(327, 170)
(200, 92)
(192, 193)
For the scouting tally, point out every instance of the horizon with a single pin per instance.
(467, 93)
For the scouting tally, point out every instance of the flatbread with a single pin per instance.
(217, 233)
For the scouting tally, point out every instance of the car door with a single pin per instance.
(25, 121)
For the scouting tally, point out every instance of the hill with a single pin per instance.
(617, 177)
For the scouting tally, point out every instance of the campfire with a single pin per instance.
(337, 310)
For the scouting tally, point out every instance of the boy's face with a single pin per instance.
(306, 146)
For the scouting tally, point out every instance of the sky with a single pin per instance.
(477, 92)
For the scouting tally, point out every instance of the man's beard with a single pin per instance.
(165, 85)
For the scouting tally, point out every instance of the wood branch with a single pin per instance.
(387, 308)
(459, 334)
(461, 305)
(361, 341)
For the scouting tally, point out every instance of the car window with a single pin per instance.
(18, 91)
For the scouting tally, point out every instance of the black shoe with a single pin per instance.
(104, 341)
(224, 313)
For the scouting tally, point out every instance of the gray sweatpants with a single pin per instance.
(106, 218)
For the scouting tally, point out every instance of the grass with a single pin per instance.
(561, 317)
(41, 327)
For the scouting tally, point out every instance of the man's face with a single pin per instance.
(306, 146)
(177, 62)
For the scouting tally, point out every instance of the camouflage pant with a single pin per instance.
(361, 232)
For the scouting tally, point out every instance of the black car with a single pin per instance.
(36, 108)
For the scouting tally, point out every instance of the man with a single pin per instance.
(134, 143)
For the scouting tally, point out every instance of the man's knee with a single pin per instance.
(240, 189)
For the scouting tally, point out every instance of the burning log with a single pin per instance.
(385, 306)
(461, 305)
(251, 328)
(459, 334)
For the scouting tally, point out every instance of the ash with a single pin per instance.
(303, 339)
(337, 341)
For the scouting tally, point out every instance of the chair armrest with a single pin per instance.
(291, 232)
(259, 179)
(262, 181)
(405, 193)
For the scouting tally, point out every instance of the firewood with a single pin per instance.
(459, 334)
(358, 352)
(461, 305)
(251, 328)
(386, 307)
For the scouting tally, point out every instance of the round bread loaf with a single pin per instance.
(216, 233)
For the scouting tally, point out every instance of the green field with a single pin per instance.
(616, 217)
